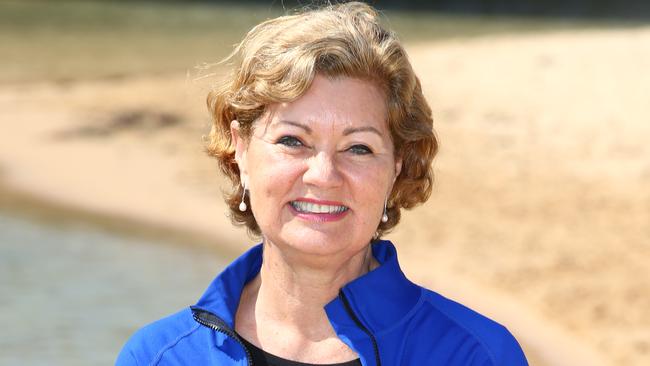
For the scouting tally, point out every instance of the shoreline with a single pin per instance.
(41, 210)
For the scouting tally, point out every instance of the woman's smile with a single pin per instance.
(318, 210)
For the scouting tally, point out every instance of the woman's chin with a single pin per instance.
(320, 242)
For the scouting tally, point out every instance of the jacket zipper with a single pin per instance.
(215, 323)
(356, 320)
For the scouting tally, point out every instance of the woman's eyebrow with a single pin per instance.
(351, 130)
(296, 124)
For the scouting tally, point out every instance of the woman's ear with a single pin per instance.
(240, 145)
(398, 168)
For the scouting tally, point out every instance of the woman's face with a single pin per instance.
(319, 169)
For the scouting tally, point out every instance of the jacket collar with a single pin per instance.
(380, 298)
(222, 296)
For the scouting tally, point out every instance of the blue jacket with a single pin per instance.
(384, 317)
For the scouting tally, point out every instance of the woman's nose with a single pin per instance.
(322, 171)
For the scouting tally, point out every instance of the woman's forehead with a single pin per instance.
(341, 103)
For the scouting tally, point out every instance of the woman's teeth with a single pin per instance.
(308, 207)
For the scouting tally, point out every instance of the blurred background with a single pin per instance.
(111, 214)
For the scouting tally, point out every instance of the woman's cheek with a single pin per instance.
(279, 174)
(372, 173)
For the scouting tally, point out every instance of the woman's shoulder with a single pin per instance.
(495, 339)
(152, 340)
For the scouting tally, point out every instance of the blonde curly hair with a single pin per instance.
(276, 62)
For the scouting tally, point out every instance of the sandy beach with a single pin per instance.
(541, 213)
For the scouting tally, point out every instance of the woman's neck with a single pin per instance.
(289, 296)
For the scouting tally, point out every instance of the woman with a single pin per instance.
(326, 136)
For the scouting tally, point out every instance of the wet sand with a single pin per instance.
(541, 213)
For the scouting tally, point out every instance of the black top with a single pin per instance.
(263, 358)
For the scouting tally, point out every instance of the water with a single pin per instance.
(73, 297)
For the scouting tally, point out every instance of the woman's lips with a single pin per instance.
(318, 210)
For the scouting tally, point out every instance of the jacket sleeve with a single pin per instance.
(148, 344)
(126, 357)
(510, 353)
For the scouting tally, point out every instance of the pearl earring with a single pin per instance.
(384, 217)
(242, 204)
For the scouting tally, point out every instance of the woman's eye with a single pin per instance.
(290, 141)
(360, 149)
